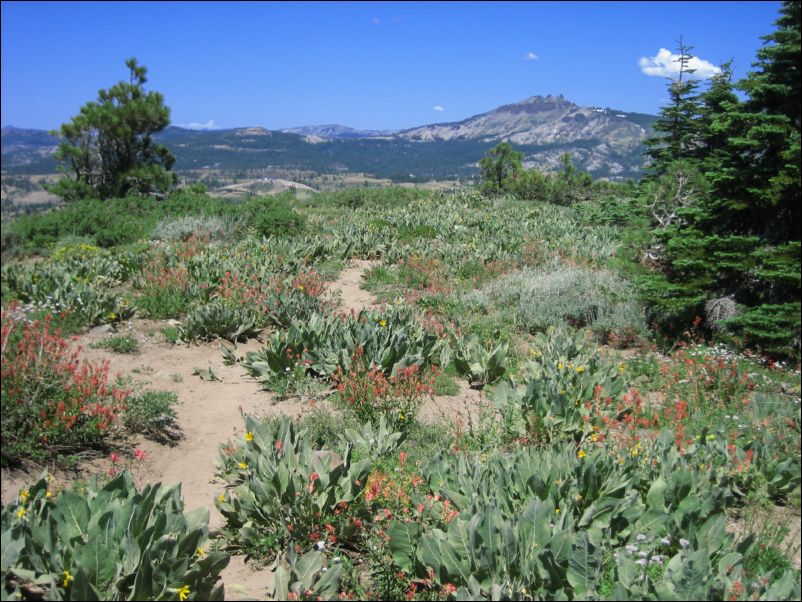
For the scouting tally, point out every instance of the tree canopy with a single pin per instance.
(108, 149)
(725, 199)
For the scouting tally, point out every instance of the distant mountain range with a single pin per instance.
(603, 141)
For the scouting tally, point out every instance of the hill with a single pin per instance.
(605, 142)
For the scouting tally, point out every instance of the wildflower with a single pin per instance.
(66, 579)
(382, 323)
(221, 497)
(657, 559)
(200, 553)
(23, 495)
(183, 593)
(243, 466)
(139, 454)
(684, 543)
(640, 537)
(560, 366)
(115, 457)
(21, 512)
(711, 437)
(249, 436)
(580, 369)
(556, 511)
(631, 548)
(582, 453)
(666, 541)
(642, 561)
(320, 546)
(48, 494)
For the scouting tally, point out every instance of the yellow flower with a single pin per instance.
(21, 512)
(382, 323)
(580, 369)
(620, 367)
(221, 497)
(48, 494)
(183, 593)
(711, 437)
(301, 287)
(201, 553)
(243, 466)
(582, 453)
(23, 495)
(249, 436)
(594, 437)
(560, 366)
(401, 416)
(65, 582)
(634, 452)
(556, 511)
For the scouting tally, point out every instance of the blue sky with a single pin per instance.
(372, 65)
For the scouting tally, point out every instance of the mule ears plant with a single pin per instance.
(108, 150)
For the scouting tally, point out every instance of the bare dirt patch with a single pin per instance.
(763, 522)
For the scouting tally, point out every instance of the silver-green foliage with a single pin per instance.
(279, 487)
(108, 543)
(389, 340)
(205, 228)
(559, 295)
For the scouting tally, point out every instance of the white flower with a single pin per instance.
(321, 545)
(657, 559)
(643, 553)
(666, 541)
(641, 561)
(684, 543)
(631, 548)
(640, 537)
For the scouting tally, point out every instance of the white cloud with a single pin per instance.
(375, 20)
(531, 56)
(665, 64)
(438, 108)
(209, 125)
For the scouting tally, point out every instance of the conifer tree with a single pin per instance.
(108, 147)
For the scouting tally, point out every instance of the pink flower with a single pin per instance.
(139, 454)
(115, 457)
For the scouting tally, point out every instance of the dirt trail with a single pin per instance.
(348, 285)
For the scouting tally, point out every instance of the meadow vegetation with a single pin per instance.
(622, 428)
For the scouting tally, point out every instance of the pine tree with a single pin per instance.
(108, 147)
(677, 128)
(738, 238)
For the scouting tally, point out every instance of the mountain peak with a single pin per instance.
(539, 104)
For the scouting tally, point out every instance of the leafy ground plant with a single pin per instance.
(108, 542)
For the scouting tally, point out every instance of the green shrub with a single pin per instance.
(273, 216)
(152, 413)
